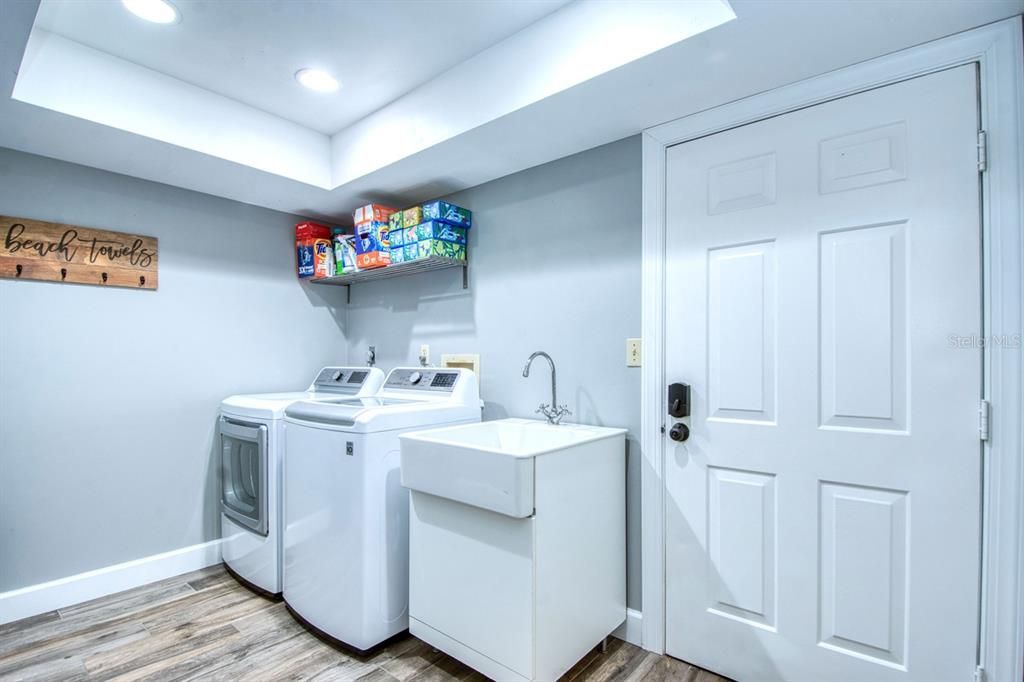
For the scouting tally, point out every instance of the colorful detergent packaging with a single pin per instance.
(323, 258)
(338, 243)
(373, 249)
(396, 237)
(433, 229)
(411, 217)
(447, 213)
(371, 213)
(345, 255)
(433, 247)
(373, 259)
(395, 222)
(372, 237)
(306, 236)
(432, 238)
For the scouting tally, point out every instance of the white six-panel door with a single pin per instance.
(822, 520)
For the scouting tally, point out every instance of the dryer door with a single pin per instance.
(244, 473)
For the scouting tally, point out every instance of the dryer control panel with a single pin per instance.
(341, 379)
(426, 379)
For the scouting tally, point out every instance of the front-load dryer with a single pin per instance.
(346, 519)
(251, 454)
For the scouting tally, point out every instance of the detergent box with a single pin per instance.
(395, 222)
(306, 237)
(411, 217)
(434, 247)
(372, 213)
(372, 236)
(373, 259)
(447, 213)
(396, 237)
(397, 254)
(433, 229)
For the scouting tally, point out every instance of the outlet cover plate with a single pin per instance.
(633, 357)
(464, 360)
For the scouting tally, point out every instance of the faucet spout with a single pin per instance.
(554, 412)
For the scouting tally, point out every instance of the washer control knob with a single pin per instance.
(415, 377)
(337, 376)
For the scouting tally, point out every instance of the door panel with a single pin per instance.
(244, 463)
(741, 332)
(822, 520)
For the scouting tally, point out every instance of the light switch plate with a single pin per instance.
(633, 358)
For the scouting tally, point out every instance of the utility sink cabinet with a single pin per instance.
(517, 543)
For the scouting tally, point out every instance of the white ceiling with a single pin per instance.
(590, 72)
(249, 50)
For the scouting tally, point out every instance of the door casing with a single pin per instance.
(996, 49)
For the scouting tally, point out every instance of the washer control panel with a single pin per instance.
(340, 379)
(426, 379)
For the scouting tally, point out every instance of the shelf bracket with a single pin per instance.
(465, 276)
(348, 293)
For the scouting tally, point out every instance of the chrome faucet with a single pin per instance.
(554, 412)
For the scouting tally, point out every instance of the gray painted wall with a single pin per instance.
(555, 266)
(109, 397)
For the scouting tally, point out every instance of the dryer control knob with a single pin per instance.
(415, 377)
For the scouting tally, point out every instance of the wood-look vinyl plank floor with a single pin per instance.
(205, 626)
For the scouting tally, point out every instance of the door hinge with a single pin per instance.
(983, 419)
(982, 151)
(979, 674)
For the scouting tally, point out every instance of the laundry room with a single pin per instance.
(489, 339)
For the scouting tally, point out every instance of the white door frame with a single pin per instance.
(996, 48)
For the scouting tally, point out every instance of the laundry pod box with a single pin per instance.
(372, 213)
(433, 238)
(434, 247)
(396, 237)
(447, 213)
(411, 217)
(373, 259)
(373, 247)
(395, 221)
(307, 236)
(372, 237)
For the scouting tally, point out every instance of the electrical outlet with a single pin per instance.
(632, 352)
(424, 355)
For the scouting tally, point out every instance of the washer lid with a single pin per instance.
(342, 411)
(262, 405)
(336, 382)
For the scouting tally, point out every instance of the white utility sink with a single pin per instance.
(517, 543)
(489, 464)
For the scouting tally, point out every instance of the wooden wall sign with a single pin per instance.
(32, 249)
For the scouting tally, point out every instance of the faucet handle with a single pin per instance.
(553, 414)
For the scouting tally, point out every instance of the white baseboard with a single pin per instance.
(631, 629)
(63, 592)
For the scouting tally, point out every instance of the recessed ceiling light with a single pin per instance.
(317, 79)
(157, 11)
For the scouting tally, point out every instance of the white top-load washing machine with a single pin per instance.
(252, 451)
(346, 537)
